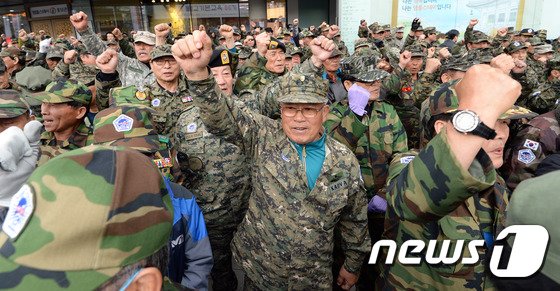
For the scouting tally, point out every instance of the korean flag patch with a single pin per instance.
(531, 144)
(21, 208)
(526, 156)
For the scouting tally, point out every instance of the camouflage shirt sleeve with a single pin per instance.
(126, 48)
(468, 34)
(433, 184)
(92, 42)
(393, 83)
(409, 40)
(103, 84)
(224, 118)
(61, 70)
(423, 88)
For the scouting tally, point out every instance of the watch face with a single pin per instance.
(465, 121)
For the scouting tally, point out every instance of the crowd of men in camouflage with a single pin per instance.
(270, 159)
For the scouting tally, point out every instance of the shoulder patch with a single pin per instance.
(21, 208)
(406, 160)
(531, 144)
(526, 156)
(123, 123)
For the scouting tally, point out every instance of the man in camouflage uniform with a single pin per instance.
(372, 130)
(262, 67)
(306, 36)
(468, 200)
(546, 96)
(407, 86)
(303, 180)
(537, 139)
(77, 227)
(131, 71)
(524, 74)
(539, 59)
(65, 104)
(13, 61)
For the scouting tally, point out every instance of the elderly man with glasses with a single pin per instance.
(306, 185)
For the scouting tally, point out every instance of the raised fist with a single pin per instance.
(193, 54)
(226, 31)
(79, 21)
(162, 30)
(473, 22)
(107, 61)
(70, 56)
(415, 24)
(117, 33)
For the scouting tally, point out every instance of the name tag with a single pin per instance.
(194, 135)
(339, 185)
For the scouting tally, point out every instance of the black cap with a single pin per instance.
(220, 57)
(452, 33)
(275, 44)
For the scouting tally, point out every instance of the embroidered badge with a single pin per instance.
(21, 208)
(531, 144)
(225, 57)
(123, 123)
(156, 102)
(191, 128)
(526, 156)
(407, 160)
(186, 99)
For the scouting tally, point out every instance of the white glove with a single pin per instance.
(44, 45)
(19, 152)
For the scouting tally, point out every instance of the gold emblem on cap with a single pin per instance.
(140, 95)
(225, 57)
(273, 44)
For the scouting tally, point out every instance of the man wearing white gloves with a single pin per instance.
(19, 146)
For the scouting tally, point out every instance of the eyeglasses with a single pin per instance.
(161, 62)
(308, 112)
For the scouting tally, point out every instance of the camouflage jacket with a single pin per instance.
(306, 53)
(168, 106)
(286, 238)
(221, 180)
(537, 68)
(131, 70)
(374, 138)
(253, 74)
(51, 148)
(529, 81)
(545, 98)
(406, 96)
(536, 140)
(341, 47)
(425, 203)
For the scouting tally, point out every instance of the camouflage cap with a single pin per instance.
(130, 126)
(12, 52)
(286, 32)
(480, 56)
(429, 29)
(145, 37)
(236, 30)
(543, 49)
(535, 41)
(456, 63)
(444, 100)
(416, 50)
(515, 46)
(306, 33)
(361, 42)
(12, 104)
(362, 68)
(30, 55)
(245, 52)
(420, 28)
(112, 42)
(554, 63)
(479, 36)
(542, 33)
(63, 90)
(296, 51)
(129, 95)
(302, 88)
(81, 218)
(55, 52)
(161, 51)
(375, 28)
(400, 29)
(386, 27)
(335, 53)
(276, 44)
(82, 49)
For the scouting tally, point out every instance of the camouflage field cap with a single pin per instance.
(416, 50)
(535, 41)
(480, 56)
(236, 30)
(335, 53)
(55, 52)
(296, 51)
(286, 32)
(361, 42)
(306, 33)
(145, 37)
(542, 33)
(429, 30)
(479, 36)
(457, 63)
(515, 46)
(302, 88)
(81, 217)
(376, 28)
(400, 29)
(112, 42)
(161, 51)
(245, 52)
(362, 68)
(64, 90)
(12, 52)
(543, 49)
(444, 100)
(129, 95)
(12, 104)
(129, 126)
(386, 27)
(276, 44)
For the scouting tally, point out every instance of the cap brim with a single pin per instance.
(47, 97)
(518, 112)
(371, 76)
(12, 112)
(146, 144)
(146, 41)
(304, 99)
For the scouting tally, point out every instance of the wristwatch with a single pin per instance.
(466, 121)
